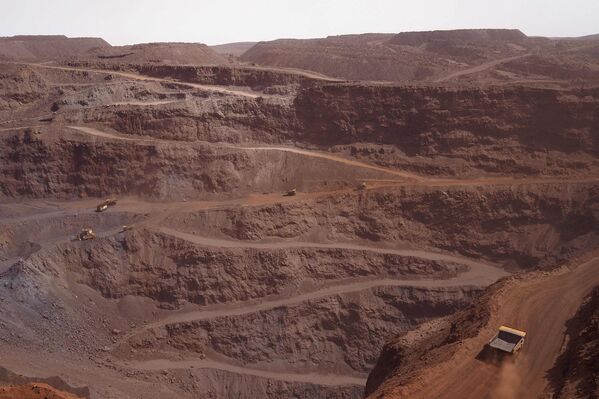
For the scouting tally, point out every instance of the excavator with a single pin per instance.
(105, 204)
(85, 234)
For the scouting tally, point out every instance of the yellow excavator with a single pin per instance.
(105, 204)
(85, 234)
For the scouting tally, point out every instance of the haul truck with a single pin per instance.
(508, 340)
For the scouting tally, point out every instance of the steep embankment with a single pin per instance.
(576, 370)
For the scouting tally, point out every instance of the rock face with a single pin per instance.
(576, 370)
(435, 120)
(175, 271)
(428, 130)
(448, 218)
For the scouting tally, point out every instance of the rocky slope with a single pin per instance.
(576, 371)
(428, 130)
(525, 227)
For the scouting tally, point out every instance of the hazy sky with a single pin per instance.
(222, 21)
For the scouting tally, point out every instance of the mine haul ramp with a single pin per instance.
(508, 339)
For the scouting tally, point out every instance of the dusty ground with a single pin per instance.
(227, 287)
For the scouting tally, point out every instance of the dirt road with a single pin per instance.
(403, 178)
(483, 268)
(541, 306)
(479, 274)
(309, 378)
(135, 76)
(480, 68)
(470, 278)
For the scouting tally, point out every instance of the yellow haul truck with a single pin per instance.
(508, 340)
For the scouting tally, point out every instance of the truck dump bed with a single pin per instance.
(508, 339)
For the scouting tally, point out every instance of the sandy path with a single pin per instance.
(480, 68)
(308, 378)
(541, 306)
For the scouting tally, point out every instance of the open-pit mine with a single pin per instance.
(347, 217)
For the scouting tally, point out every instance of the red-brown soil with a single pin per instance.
(424, 217)
(33, 391)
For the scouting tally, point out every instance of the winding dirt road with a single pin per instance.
(309, 378)
(473, 277)
(135, 76)
(481, 268)
(404, 178)
(478, 274)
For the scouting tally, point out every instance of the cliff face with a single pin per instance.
(576, 371)
(421, 121)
